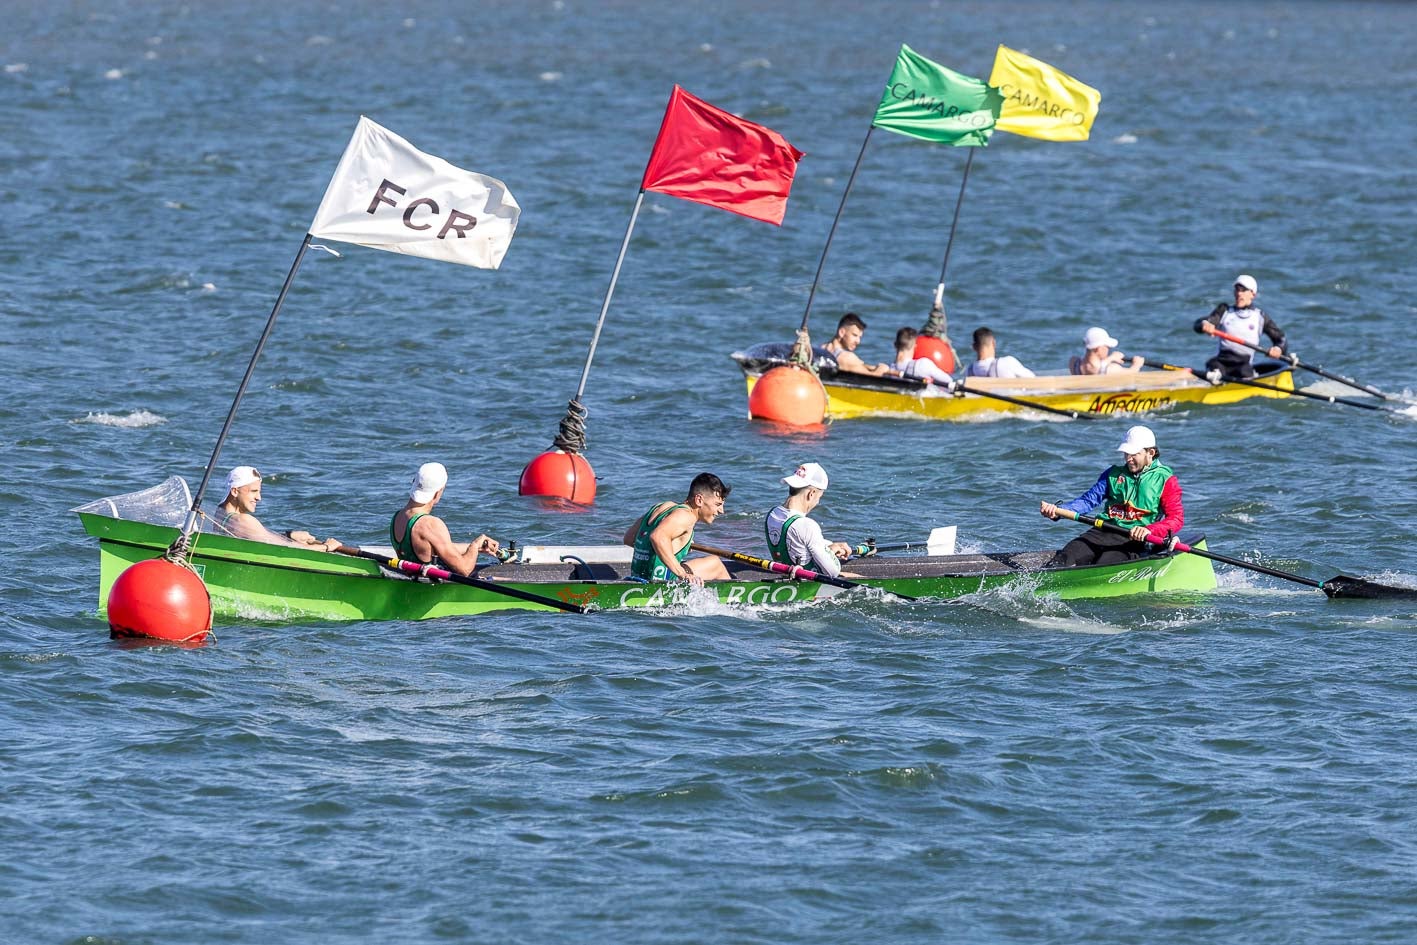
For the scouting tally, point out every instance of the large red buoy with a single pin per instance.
(788, 394)
(561, 475)
(161, 600)
(928, 346)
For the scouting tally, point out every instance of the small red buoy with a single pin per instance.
(788, 394)
(560, 475)
(928, 346)
(161, 600)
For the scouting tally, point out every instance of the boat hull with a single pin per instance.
(857, 395)
(255, 581)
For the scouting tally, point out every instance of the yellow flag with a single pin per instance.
(1040, 101)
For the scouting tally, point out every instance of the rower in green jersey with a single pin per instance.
(419, 535)
(662, 536)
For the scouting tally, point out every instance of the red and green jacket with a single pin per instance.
(1151, 498)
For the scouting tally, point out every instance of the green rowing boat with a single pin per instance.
(256, 581)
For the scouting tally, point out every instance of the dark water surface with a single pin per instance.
(1231, 768)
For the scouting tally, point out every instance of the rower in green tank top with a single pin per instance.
(419, 535)
(662, 536)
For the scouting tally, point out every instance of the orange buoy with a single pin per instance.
(788, 394)
(560, 475)
(161, 600)
(928, 346)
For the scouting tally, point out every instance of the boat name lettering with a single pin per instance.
(652, 595)
(1019, 98)
(1128, 403)
(904, 93)
(761, 594)
(1144, 573)
(457, 220)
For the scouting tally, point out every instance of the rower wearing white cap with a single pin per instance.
(238, 514)
(793, 538)
(1244, 320)
(1098, 356)
(1140, 493)
(419, 535)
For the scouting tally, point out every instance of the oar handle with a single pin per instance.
(796, 572)
(1152, 362)
(1106, 526)
(442, 574)
(1226, 336)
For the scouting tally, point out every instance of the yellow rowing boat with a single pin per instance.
(861, 395)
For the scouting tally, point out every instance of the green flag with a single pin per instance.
(925, 100)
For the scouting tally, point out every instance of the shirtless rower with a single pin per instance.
(849, 331)
(238, 514)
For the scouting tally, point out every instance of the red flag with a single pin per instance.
(707, 155)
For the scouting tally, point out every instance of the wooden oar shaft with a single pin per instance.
(1152, 362)
(1356, 385)
(777, 567)
(1340, 585)
(961, 389)
(1096, 522)
(1326, 398)
(442, 574)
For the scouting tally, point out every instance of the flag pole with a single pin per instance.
(570, 436)
(832, 232)
(609, 291)
(959, 202)
(190, 524)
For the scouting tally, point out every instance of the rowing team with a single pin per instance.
(1140, 493)
(1239, 327)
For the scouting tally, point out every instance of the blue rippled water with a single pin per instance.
(1234, 767)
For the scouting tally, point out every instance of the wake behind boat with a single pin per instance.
(851, 395)
(254, 580)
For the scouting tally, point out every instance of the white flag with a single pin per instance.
(387, 194)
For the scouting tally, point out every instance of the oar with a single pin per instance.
(427, 570)
(961, 390)
(791, 570)
(1338, 586)
(1357, 385)
(940, 542)
(1326, 398)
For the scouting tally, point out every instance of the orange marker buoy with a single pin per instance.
(561, 475)
(928, 346)
(161, 600)
(788, 394)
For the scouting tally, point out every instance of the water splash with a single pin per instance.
(136, 420)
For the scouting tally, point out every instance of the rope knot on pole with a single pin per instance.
(802, 351)
(571, 434)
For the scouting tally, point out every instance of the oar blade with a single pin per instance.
(941, 541)
(1343, 585)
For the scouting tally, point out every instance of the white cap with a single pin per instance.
(1249, 283)
(1097, 337)
(808, 474)
(1138, 438)
(429, 479)
(241, 476)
